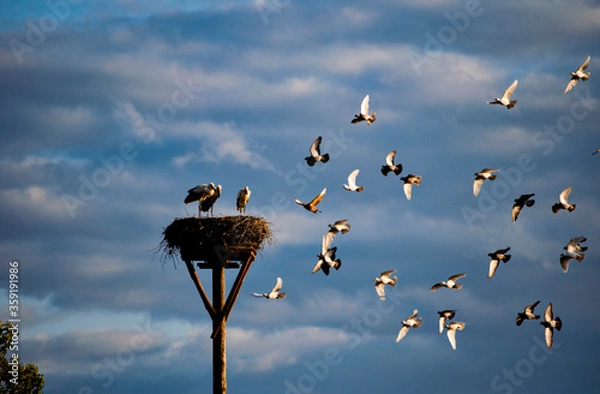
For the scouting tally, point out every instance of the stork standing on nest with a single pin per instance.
(206, 195)
(242, 199)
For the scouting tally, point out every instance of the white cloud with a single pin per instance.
(219, 143)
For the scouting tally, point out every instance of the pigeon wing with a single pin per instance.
(402, 333)
(389, 159)
(278, 286)
(315, 149)
(493, 266)
(451, 334)
(570, 85)
(564, 195)
(508, 93)
(548, 334)
(477, 183)
(318, 198)
(380, 288)
(364, 106)
(352, 178)
(407, 190)
(585, 64)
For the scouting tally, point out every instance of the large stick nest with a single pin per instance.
(201, 238)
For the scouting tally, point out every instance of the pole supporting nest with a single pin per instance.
(218, 244)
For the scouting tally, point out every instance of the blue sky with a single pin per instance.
(110, 112)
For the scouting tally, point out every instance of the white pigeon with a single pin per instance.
(390, 166)
(481, 176)
(573, 251)
(327, 257)
(351, 186)
(315, 153)
(496, 258)
(385, 278)
(505, 99)
(242, 199)
(563, 201)
(549, 324)
(450, 283)
(364, 113)
(409, 181)
(409, 323)
(451, 332)
(579, 74)
(274, 294)
(527, 314)
(445, 314)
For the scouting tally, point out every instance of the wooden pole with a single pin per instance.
(219, 341)
(198, 284)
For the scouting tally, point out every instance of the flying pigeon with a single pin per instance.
(206, 195)
(450, 283)
(412, 321)
(341, 226)
(274, 294)
(596, 151)
(390, 166)
(496, 257)
(505, 99)
(451, 332)
(242, 199)
(327, 257)
(549, 324)
(364, 113)
(577, 75)
(563, 201)
(486, 173)
(385, 278)
(315, 153)
(409, 181)
(445, 314)
(351, 186)
(522, 201)
(527, 314)
(312, 206)
(573, 251)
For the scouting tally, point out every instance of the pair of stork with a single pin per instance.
(207, 195)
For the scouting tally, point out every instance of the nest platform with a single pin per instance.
(223, 239)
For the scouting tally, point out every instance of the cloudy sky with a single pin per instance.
(111, 111)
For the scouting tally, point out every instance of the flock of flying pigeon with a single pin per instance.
(207, 194)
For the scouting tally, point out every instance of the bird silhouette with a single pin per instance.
(242, 199)
(505, 99)
(315, 153)
(578, 74)
(563, 201)
(527, 313)
(312, 206)
(364, 113)
(522, 201)
(390, 166)
(273, 294)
